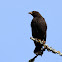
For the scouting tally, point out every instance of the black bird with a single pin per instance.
(39, 28)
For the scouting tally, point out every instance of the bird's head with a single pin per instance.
(35, 13)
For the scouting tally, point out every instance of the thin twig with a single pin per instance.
(32, 60)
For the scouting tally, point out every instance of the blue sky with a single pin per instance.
(15, 30)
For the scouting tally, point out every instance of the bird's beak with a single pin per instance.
(30, 13)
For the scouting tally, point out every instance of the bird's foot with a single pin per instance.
(44, 42)
(39, 40)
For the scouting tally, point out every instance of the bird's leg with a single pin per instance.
(44, 42)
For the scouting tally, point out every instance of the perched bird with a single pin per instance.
(39, 28)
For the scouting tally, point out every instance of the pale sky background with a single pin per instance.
(15, 30)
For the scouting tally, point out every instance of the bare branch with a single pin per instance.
(32, 60)
(43, 49)
(47, 47)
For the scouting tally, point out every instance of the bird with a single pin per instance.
(39, 29)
